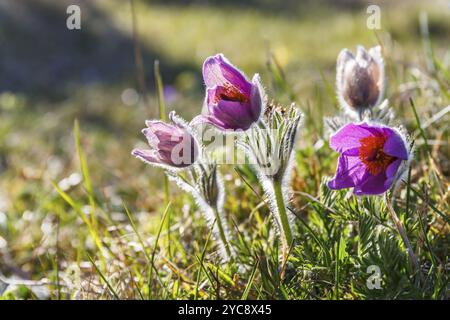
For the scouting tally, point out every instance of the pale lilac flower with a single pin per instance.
(371, 156)
(172, 145)
(360, 79)
(233, 102)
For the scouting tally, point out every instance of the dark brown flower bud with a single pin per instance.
(360, 79)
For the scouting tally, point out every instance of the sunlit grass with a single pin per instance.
(48, 234)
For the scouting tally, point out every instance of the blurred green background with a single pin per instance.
(50, 76)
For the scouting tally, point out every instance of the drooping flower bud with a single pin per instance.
(360, 79)
(172, 146)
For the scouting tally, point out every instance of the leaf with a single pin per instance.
(250, 281)
(342, 253)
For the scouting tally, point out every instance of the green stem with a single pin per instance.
(223, 238)
(283, 218)
(403, 235)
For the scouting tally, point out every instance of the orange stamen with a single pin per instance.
(231, 93)
(372, 155)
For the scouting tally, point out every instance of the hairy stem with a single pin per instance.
(401, 231)
(223, 238)
(285, 228)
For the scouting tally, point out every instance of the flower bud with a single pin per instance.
(233, 102)
(360, 79)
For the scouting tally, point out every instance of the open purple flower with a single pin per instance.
(172, 146)
(370, 158)
(232, 101)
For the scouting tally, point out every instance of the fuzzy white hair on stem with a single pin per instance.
(270, 147)
(206, 186)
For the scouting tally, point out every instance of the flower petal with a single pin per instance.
(395, 145)
(371, 185)
(391, 172)
(201, 119)
(217, 71)
(158, 125)
(362, 57)
(344, 59)
(234, 114)
(257, 97)
(349, 172)
(148, 156)
(349, 136)
(351, 152)
(256, 81)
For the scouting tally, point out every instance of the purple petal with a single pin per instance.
(351, 152)
(217, 71)
(158, 125)
(148, 156)
(164, 139)
(209, 120)
(234, 114)
(211, 94)
(349, 172)
(256, 102)
(371, 185)
(395, 146)
(152, 139)
(349, 136)
(391, 172)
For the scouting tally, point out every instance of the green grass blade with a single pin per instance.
(152, 259)
(250, 281)
(66, 197)
(419, 126)
(85, 172)
(133, 226)
(162, 116)
(202, 257)
(116, 296)
(443, 215)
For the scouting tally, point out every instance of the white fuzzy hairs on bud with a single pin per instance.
(360, 80)
(270, 147)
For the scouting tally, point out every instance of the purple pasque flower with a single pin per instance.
(360, 79)
(370, 158)
(233, 102)
(172, 146)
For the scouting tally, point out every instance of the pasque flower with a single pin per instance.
(370, 158)
(233, 102)
(360, 79)
(172, 146)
